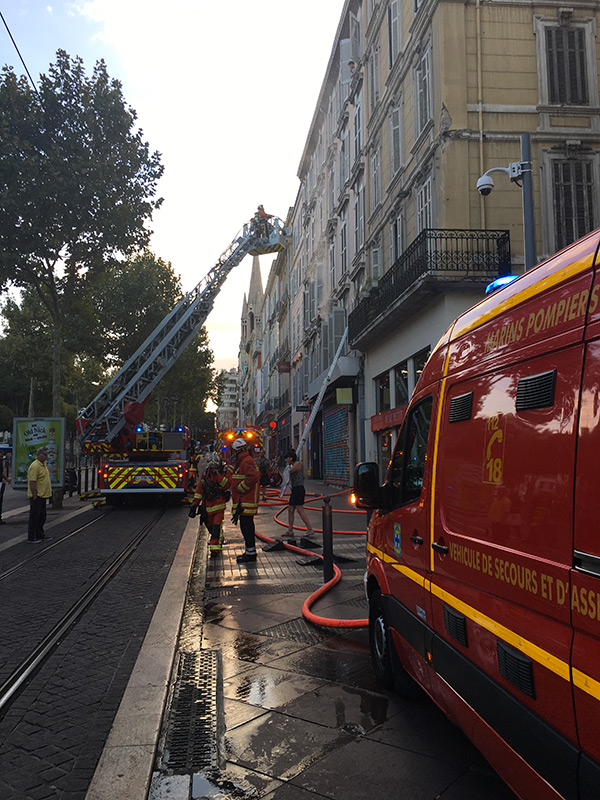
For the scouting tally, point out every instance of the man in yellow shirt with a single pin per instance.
(39, 489)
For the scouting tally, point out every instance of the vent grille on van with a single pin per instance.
(536, 391)
(456, 625)
(516, 668)
(461, 407)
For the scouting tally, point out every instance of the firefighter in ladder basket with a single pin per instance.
(210, 498)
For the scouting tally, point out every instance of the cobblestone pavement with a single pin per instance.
(53, 731)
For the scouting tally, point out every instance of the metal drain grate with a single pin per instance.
(298, 630)
(240, 591)
(191, 739)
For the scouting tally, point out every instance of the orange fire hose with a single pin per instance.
(325, 622)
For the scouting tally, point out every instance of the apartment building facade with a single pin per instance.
(389, 236)
(227, 414)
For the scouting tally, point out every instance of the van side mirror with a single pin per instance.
(366, 485)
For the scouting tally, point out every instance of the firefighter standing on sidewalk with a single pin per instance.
(211, 498)
(244, 479)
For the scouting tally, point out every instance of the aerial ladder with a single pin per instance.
(119, 406)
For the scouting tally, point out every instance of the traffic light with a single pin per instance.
(272, 425)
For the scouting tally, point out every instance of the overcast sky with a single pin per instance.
(225, 91)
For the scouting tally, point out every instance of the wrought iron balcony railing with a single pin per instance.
(438, 254)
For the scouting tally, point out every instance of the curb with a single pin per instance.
(127, 761)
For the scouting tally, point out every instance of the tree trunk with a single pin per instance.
(56, 354)
(57, 494)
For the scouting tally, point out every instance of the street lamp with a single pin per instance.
(518, 170)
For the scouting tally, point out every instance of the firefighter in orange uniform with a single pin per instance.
(244, 479)
(211, 498)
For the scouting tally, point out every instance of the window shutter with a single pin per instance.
(325, 355)
(396, 142)
(566, 65)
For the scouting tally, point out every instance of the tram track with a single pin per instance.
(40, 652)
(50, 546)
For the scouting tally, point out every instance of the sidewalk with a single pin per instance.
(303, 717)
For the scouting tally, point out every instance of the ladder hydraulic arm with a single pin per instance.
(104, 417)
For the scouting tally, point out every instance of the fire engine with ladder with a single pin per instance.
(135, 461)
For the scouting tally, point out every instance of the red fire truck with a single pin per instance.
(483, 553)
(251, 433)
(155, 463)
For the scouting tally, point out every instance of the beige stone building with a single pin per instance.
(389, 233)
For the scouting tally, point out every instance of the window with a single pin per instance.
(332, 271)
(375, 179)
(407, 471)
(382, 389)
(422, 76)
(357, 126)
(575, 211)
(396, 237)
(356, 48)
(401, 381)
(566, 65)
(374, 79)
(394, 30)
(332, 190)
(395, 139)
(344, 159)
(420, 359)
(343, 245)
(566, 60)
(359, 216)
(375, 261)
(424, 206)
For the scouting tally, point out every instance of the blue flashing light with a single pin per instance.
(180, 429)
(139, 429)
(499, 283)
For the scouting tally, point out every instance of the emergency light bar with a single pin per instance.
(504, 280)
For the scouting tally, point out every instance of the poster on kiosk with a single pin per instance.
(29, 434)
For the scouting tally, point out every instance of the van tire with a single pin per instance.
(389, 672)
(380, 642)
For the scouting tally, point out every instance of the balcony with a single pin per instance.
(437, 261)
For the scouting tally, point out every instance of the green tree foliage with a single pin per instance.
(28, 334)
(112, 317)
(77, 187)
(129, 302)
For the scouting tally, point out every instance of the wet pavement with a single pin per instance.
(300, 715)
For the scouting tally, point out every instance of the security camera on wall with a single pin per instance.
(485, 185)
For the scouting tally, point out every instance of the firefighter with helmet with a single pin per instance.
(244, 479)
(211, 498)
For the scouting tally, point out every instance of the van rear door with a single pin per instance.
(585, 583)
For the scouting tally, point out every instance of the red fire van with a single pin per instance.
(483, 563)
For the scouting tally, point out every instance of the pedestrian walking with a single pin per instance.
(4, 481)
(39, 489)
(297, 493)
(244, 479)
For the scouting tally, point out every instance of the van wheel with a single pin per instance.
(389, 672)
(380, 642)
